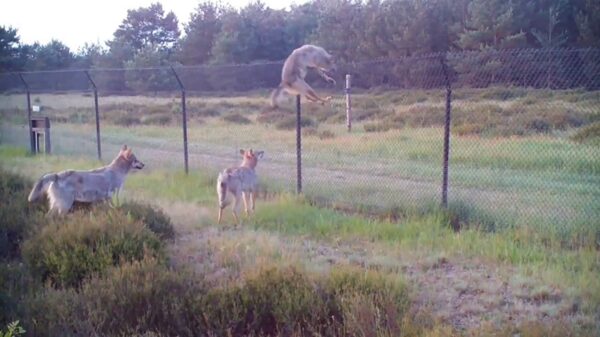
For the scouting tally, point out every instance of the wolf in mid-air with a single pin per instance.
(295, 68)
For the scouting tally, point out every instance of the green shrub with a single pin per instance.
(282, 301)
(361, 114)
(126, 120)
(368, 302)
(502, 94)
(236, 118)
(17, 214)
(424, 116)
(588, 134)
(70, 249)
(289, 123)
(156, 119)
(322, 113)
(131, 299)
(270, 302)
(273, 116)
(12, 329)
(314, 132)
(15, 285)
(326, 134)
(376, 127)
(146, 297)
(79, 116)
(155, 219)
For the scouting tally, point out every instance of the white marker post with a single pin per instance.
(348, 103)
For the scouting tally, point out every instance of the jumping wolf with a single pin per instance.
(295, 68)
(66, 187)
(240, 182)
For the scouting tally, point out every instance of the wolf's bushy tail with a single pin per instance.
(222, 188)
(41, 186)
(275, 96)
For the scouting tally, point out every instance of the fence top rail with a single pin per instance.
(433, 56)
(554, 68)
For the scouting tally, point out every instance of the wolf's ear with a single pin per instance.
(242, 151)
(127, 153)
(259, 154)
(124, 147)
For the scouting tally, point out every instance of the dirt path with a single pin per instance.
(464, 293)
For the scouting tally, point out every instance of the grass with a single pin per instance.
(103, 276)
(566, 260)
(524, 170)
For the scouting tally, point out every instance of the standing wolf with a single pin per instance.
(66, 187)
(239, 181)
(295, 68)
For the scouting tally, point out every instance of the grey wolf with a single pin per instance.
(295, 68)
(241, 182)
(66, 187)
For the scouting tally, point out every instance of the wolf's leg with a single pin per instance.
(236, 206)
(304, 89)
(61, 201)
(326, 77)
(117, 197)
(253, 199)
(220, 215)
(276, 96)
(245, 197)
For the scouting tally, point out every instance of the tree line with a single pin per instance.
(352, 30)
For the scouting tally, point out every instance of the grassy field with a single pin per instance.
(520, 238)
(470, 282)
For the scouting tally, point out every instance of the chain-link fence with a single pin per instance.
(523, 129)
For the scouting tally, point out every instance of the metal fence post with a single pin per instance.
(31, 138)
(185, 137)
(446, 131)
(348, 102)
(298, 146)
(98, 139)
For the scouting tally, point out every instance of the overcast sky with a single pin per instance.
(75, 22)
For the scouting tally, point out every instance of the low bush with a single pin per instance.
(236, 118)
(502, 94)
(369, 302)
(314, 132)
(155, 219)
(588, 134)
(69, 249)
(124, 119)
(326, 134)
(156, 119)
(17, 214)
(273, 116)
(376, 127)
(289, 123)
(131, 299)
(16, 285)
(146, 297)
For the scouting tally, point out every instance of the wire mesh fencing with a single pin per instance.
(523, 129)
